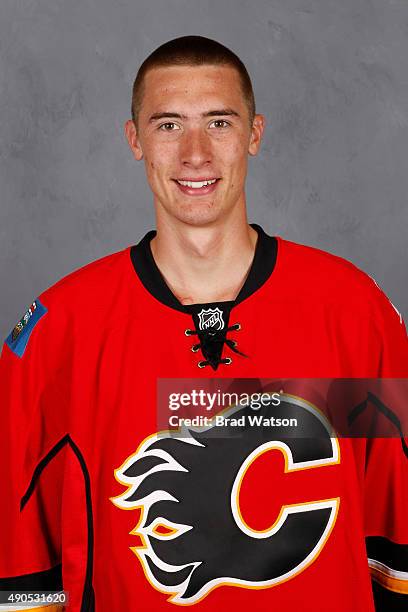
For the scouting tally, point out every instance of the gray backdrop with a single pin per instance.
(331, 77)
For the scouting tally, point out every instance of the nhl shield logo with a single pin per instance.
(211, 318)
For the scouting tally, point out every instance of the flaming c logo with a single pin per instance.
(186, 487)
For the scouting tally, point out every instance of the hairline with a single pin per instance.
(190, 63)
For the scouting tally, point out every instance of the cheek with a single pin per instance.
(157, 158)
(152, 163)
(157, 171)
(233, 154)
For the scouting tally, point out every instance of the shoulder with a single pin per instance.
(84, 299)
(329, 281)
(328, 276)
(92, 287)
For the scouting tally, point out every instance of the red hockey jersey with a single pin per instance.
(96, 502)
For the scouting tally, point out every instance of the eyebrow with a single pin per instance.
(223, 112)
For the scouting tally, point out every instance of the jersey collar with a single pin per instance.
(150, 276)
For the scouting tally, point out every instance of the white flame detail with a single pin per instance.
(144, 530)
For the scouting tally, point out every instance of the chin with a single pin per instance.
(197, 215)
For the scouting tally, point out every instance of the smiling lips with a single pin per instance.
(197, 187)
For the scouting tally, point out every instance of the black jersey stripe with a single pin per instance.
(46, 580)
(388, 601)
(88, 595)
(394, 556)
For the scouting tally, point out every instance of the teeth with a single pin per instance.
(196, 184)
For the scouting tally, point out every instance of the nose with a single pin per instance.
(195, 148)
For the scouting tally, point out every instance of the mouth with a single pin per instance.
(196, 187)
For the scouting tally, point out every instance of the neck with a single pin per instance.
(204, 264)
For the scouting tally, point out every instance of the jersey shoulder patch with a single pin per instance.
(18, 338)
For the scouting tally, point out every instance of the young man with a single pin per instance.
(247, 522)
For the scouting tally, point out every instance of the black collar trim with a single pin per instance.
(262, 266)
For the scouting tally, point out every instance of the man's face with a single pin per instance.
(194, 136)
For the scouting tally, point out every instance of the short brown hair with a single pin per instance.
(191, 51)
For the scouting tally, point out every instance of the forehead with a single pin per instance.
(199, 86)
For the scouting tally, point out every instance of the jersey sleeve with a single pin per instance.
(386, 473)
(31, 466)
(390, 328)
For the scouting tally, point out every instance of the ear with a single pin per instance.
(133, 139)
(258, 126)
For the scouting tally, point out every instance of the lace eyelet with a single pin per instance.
(229, 361)
(188, 332)
(234, 343)
(237, 326)
(201, 364)
(195, 348)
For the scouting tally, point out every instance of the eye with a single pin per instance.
(221, 123)
(169, 127)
